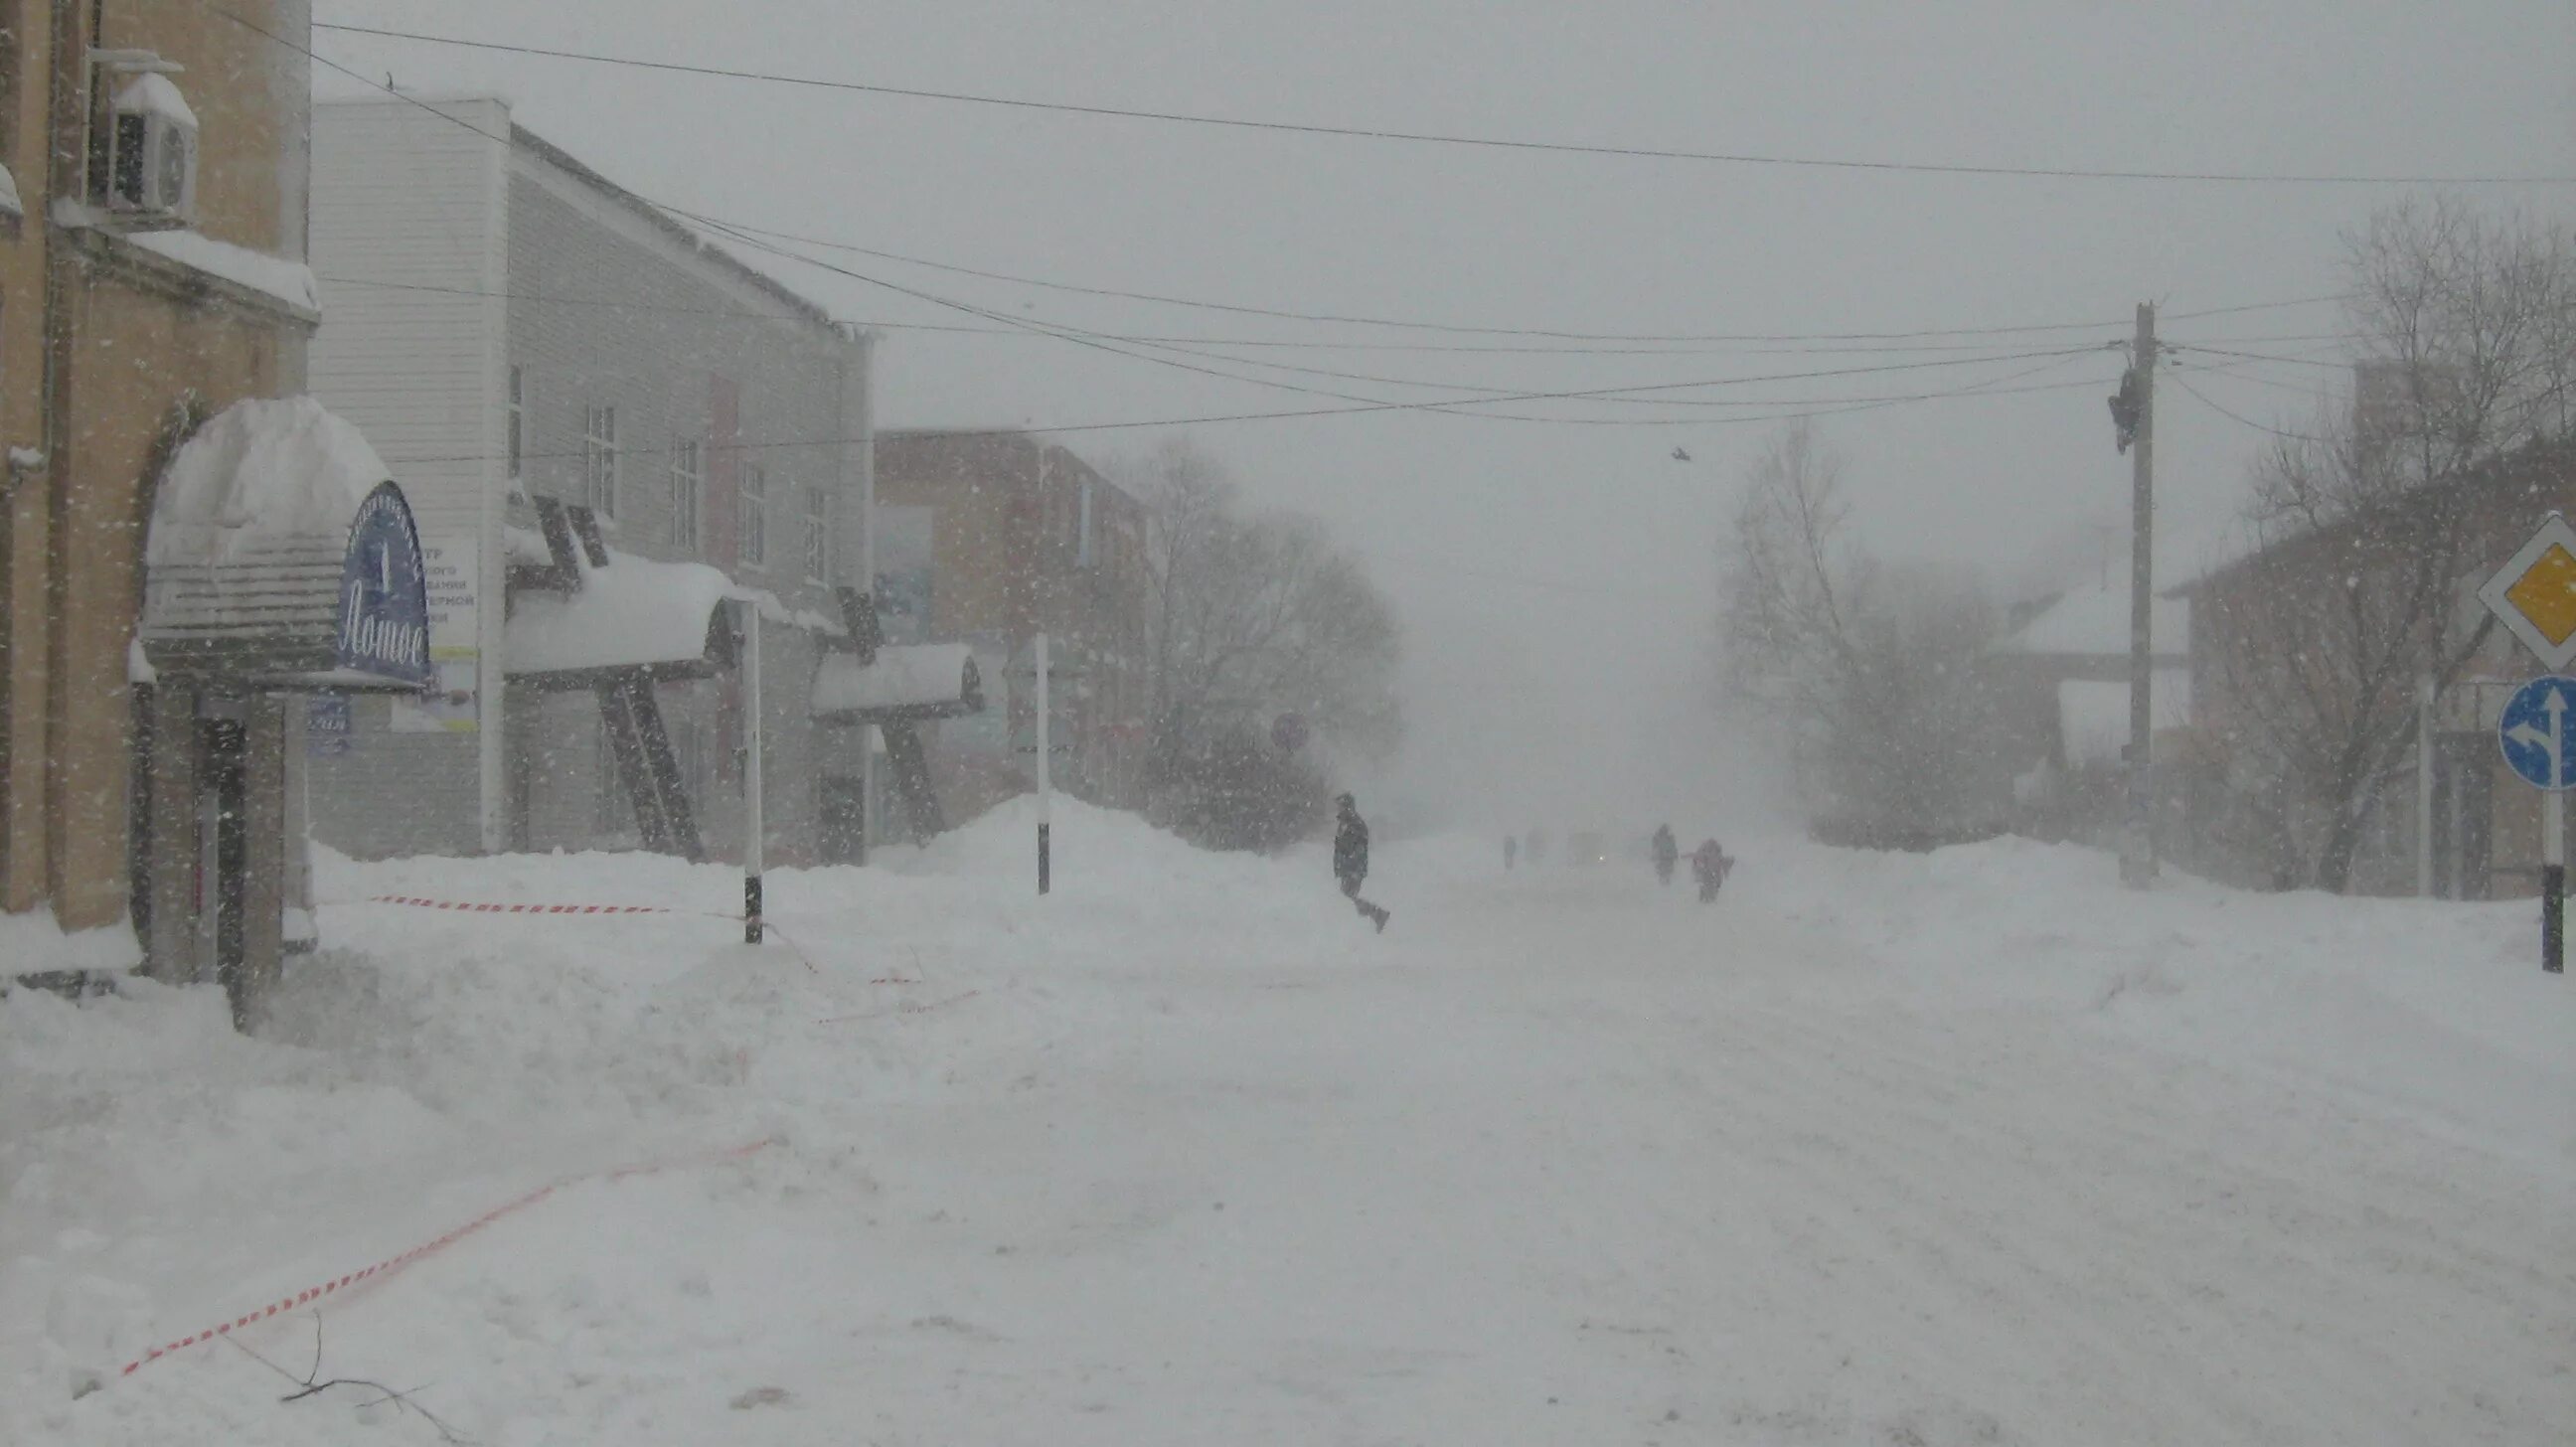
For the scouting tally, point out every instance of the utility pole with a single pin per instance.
(2133, 412)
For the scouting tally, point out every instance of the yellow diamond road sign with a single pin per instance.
(2534, 593)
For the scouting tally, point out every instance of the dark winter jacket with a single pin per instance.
(1350, 846)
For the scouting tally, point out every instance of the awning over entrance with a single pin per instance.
(282, 556)
(923, 681)
(632, 616)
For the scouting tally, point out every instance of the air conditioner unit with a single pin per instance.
(152, 154)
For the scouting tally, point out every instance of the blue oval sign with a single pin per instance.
(2538, 738)
(384, 595)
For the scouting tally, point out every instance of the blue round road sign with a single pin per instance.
(2538, 737)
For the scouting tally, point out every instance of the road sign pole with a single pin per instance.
(2424, 694)
(1046, 782)
(2553, 883)
(2553, 844)
(755, 830)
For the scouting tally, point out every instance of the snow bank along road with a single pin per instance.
(1997, 1155)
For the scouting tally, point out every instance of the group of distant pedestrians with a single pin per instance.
(1710, 863)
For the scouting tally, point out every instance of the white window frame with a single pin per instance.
(688, 493)
(751, 516)
(599, 460)
(818, 536)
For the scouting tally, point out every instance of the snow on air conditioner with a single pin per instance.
(152, 153)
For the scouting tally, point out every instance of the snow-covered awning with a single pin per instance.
(2093, 716)
(927, 680)
(634, 615)
(282, 555)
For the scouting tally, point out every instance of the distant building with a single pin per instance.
(532, 343)
(2059, 686)
(986, 538)
(2485, 821)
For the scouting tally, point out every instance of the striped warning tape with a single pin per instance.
(471, 907)
(464, 906)
(312, 1294)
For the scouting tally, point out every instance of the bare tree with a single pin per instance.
(1256, 614)
(2367, 528)
(1868, 672)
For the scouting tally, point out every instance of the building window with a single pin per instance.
(688, 486)
(818, 535)
(518, 411)
(12, 56)
(754, 542)
(599, 460)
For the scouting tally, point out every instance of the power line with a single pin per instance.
(1868, 404)
(745, 232)
(2240, 417)
(2270, 357)
(1093, 340)
(1075, 335)
(1822, 349)
(1360, 404)
(1344, 319)
(1652, 153)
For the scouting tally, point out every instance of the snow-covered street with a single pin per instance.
(1966, 1149)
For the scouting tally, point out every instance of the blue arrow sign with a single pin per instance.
(2534, 730)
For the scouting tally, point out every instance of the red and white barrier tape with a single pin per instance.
(467, 906)
(470, 907)
(388, 1266)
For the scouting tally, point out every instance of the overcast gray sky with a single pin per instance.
(1558, 580)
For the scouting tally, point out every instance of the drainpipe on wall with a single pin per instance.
(66, 176)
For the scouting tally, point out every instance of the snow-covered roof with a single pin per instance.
(259, 477)
(920, 676)
(2093, 715)
(275, 277)
(155, 94)
(2094, 620)
(634, 613)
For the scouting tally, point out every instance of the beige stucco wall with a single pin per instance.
(130, 346)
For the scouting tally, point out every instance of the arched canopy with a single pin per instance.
(282, 555)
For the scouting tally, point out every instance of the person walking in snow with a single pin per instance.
(1709, 865)
(1350, 858)
(1511, 851)
(1667, 854)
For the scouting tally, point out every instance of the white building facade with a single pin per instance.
(525, 340)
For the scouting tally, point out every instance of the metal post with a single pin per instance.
(1046, 785)
(753, 782)
(2553, 844)
(2553, 882)
(2137, 839)
(2424, 787)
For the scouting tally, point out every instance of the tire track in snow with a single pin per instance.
(1845, 1119)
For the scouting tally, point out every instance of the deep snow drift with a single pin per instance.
(1973, 1147)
